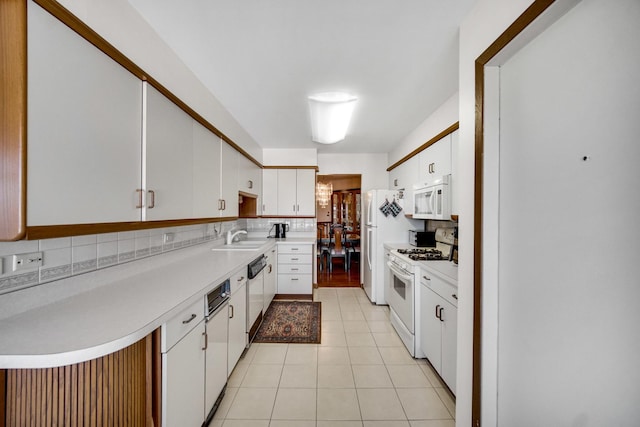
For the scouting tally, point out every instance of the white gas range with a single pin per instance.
(402, 284)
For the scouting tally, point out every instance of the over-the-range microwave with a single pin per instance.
(432, 200)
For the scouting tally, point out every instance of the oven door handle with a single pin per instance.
(398, 272)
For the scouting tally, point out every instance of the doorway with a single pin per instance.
(338, 212)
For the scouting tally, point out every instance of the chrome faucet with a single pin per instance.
(231, 236)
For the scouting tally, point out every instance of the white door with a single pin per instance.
(206, 172)
(368, 239)
(569, 104)
(287, 199)
(400, 295)
(84, 129)
(229, 179)
(237, 326)
(306, 192)
(169, 160)
(449, 323)
(431, 328)
(183, 385)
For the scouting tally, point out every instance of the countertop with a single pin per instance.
(446, 269)
(94, 314)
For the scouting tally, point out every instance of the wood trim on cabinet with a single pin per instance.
(522, 22)
(316, 168)
(64, 230)
(13, 119)
(427, 144)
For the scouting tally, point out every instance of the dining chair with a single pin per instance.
(337, 248)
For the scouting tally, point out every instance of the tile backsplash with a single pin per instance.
(70, 256)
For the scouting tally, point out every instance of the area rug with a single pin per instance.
(291, 322)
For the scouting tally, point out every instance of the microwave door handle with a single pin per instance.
(431, 202)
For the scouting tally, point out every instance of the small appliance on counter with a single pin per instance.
(281, 230)
(422, 239)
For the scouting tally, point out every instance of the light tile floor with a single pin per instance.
(361, 375)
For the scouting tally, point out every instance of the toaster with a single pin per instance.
(423, 239)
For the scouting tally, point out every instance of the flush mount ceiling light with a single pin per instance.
(330, 116)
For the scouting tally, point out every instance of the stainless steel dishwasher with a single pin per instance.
(255, 295)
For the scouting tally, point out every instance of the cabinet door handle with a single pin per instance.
(294, 279)
(193, 316)
(395, 182)
(297, 208)
(152, 203)
(295, 249)
(232, 311)
(440, 314)
(454, 296)
(140, 192)
(241, 279)
(270, 268)
(294, 259)
(294, 269)
(426, 278)
(250, 184)
(224, 205)
(206, 340)
(437, 307)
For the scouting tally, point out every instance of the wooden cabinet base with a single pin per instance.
(116, 390)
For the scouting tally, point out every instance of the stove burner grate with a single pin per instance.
(422, 254)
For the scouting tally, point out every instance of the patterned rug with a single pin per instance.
(291, 322)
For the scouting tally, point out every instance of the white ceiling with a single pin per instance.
(261, 59)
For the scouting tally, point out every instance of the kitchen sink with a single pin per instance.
(241, 245)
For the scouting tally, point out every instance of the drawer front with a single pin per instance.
(295, 283)
(294, 259)
(182, 324)
(238, 279)
(295, 269)
(294, 249)
(440, 286)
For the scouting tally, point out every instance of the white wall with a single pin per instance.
(439, 120)
(290, 157)
(372, 167)
(121, 25)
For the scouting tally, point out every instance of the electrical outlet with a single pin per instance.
(26, 261)
(169, 237)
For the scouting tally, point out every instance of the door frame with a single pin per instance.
(532, 22)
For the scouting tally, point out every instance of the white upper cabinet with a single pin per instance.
(287, 199)
(229, 176)
(435, 161)
(169, 159)
(404, 177)
(84, 129)
(296, 192)
(270, 192)
(249, 176)
(207, 181)
(306, 192)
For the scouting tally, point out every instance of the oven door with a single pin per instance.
(400, 294)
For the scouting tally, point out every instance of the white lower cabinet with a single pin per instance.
(237, 318)
(439, 325)
(183, 367)
(295, 268)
